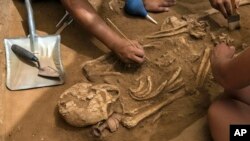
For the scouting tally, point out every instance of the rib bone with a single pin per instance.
(130, 122)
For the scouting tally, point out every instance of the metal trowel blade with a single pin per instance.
(48, 72)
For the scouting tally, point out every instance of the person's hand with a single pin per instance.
(220, 56)
(130, 53)
(224, 6)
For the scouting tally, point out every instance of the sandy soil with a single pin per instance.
(33, 115)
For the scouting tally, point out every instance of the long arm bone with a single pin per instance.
(130, 122)
(170, 30)
(204, 61)
(183, 30)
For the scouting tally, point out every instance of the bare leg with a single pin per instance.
(224, 112)
(158, 5)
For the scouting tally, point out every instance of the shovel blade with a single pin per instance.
(21, 75)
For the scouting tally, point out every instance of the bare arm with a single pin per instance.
(86, 15)
(232, 72)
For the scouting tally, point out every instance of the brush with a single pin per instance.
(234, 19)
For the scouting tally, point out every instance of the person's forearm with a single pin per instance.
(86, 15)
(235, 73)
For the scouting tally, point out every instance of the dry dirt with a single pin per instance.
(33, 114)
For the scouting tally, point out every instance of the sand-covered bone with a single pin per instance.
(173, 26)
(142, 90)
(132, 121)
(169, 70)
(198, 29)
(86, 104)
(149, 93)
(221, 38)
(203, 68)
(175, 76)
(172, 23)
(168, 34)
(112, 124)
(178, 83)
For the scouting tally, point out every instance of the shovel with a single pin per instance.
(21, 74)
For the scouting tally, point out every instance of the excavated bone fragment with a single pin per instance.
(176, 84)
(99, 59)
(153, 94)
(139, 88)
(204, 63)
(89, 104)
(172, 23)
(183, 30)
(106, 74)
(139, 94)
(132, 121)
(112, 124)
(197, 34)
(148, 93)
(150, 85)
(170, 30)
(137, 109)
(205, 73)
(175, 76)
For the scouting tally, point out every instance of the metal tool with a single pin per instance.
(46, 71)
(136, 8)
(20, 74)
(66, 20)
(234, 19)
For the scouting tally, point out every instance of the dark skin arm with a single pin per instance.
(232, 72)
(88, 18)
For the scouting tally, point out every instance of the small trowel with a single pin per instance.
(234, 19)
(46, 71)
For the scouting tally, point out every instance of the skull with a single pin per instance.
(86, 104)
